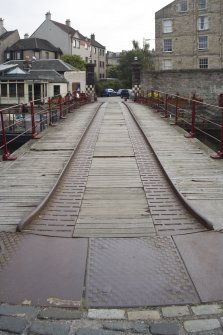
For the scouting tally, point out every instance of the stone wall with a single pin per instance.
(207, 84)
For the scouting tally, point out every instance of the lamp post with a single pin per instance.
(136, 84)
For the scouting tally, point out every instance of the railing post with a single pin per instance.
(219, 153)
(61, 109)
(34, 133)
(166, 106)
(6, 154)
(158, 103)
(176, 109)
(193, 117)
(50, 112)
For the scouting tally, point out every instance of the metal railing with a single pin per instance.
(15, 123)
(199, 119)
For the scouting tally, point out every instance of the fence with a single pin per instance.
(17, 122)
(200, 119)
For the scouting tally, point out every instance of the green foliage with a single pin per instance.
(74, 60)
(123, 71)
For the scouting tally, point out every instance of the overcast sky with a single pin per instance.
(115, 23)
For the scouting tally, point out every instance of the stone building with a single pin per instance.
(189, 35)
(72, 42)
(7, 38)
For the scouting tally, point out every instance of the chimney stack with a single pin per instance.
(67, 22)
(26, 36)
(2, 29)
(48, 16)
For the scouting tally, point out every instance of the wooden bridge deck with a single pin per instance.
(27, 180)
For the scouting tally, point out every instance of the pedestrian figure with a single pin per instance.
(24, 110)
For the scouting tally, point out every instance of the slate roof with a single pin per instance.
(6, 34)
(70, 30)
(48, 75)
(46, 64)
(97, 45)
(33, 44)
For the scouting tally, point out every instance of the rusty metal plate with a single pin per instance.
(202, 255)
(42, 270)
(131, 272)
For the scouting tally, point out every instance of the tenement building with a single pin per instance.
(189, 35)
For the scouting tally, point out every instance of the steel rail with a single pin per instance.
(206, 222)
(26, 220)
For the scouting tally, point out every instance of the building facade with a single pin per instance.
(33, 48)
(7, 38)
(189, 35)
(72, 42)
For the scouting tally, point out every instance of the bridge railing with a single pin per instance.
(17, 122)
(200, 119)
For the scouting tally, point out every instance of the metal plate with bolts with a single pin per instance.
(131, 272)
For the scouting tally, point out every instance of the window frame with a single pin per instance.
(167, 28)
(205, 64)
(183, 3)
(167, 67)
(165, 47)
(205, 23)
(200, 42)
(199, 4)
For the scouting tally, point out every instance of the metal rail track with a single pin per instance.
(57, 215)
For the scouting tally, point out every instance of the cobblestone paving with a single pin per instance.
(172, 320)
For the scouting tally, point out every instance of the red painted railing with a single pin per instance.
(200, 119)
(15, 123)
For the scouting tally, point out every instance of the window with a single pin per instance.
(4, 92)
(18, 55)
(167, 64)
(20, 90)
(167, 26)
(7, 55)
(183, 6)
(202, 42)
(167, 45)
(202, 4)
(12, 90)
(202, 22)
(86, 46)
(76, 44)
(56, 90)
(95, 50)
(203, 63)
(47, 55)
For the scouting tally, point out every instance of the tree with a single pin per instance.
(74, 60)
(124, 69)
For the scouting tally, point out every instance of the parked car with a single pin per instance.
(119, 92)
(108, 92)
(125, 94)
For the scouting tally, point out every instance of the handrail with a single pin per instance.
(191, 113)
(35, 120)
